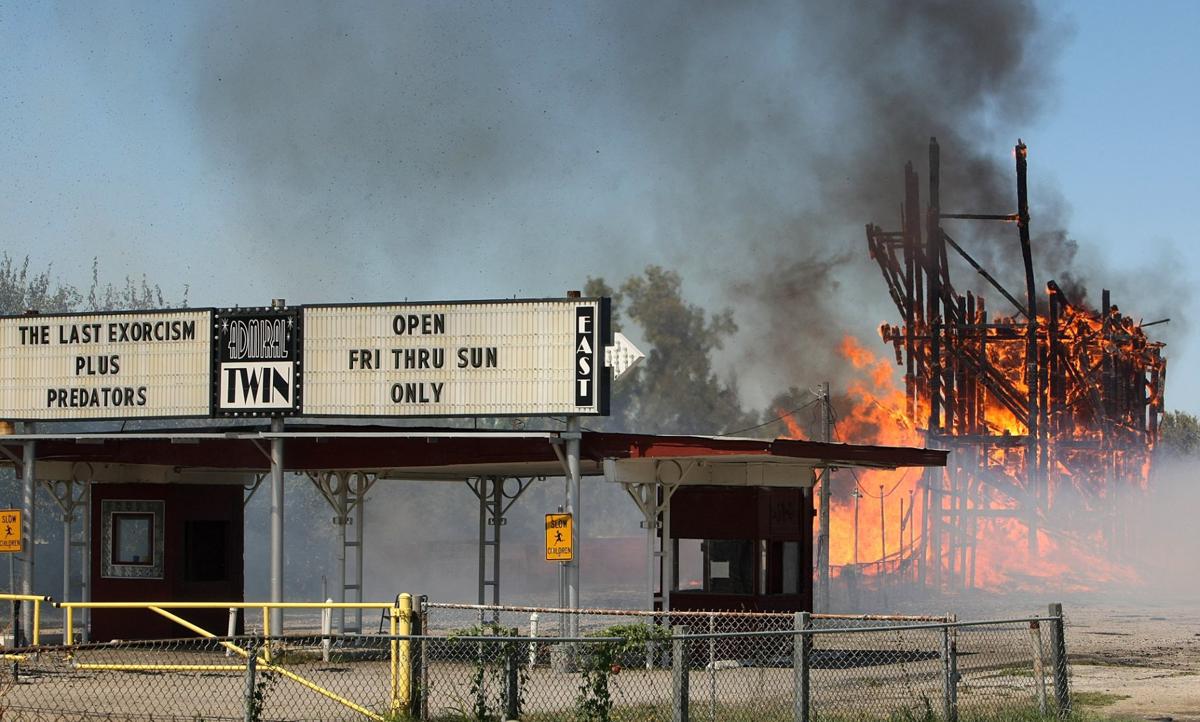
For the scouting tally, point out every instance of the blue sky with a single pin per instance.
(1121, 143)
(142, 134)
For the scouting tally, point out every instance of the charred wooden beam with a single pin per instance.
(933, 272)
(1088, 387)
(912, 240)
(1031, 350)
(986, 276)
(890, 267)
(1006, 217)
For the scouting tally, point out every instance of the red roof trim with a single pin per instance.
(412, 452)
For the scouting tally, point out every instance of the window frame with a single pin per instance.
(111, 511)
(117, 527)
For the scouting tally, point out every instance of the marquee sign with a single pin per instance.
(471, 358)
(105, 366)
(257, 362)
(488, 358)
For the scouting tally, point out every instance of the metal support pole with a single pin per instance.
(419, 707)
(1039, 666)
(823, 533)
(67, 518)
(949, 672)
(712, 667)
(882, 540)
(512, 686)
(801, 647)
(1058, 658)
(857, 495)
(401, 625)
(342, 520)
(649, 502)
(482, 496)
(277, 523)
(573, 441)
(29, 507)
(253, 703)
(668, 551)
(562, 593)
(533, 633)
(326, 630)
(360, 517)
(679, 674)
(85, 562)
(17, 631)
(497, 525)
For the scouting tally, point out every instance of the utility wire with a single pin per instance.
(866, 493)
(857, 481)
(767, 423)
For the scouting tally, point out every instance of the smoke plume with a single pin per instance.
(454, 149)
(516, 149)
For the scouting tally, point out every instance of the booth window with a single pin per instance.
(717, 566)
(791, 568)
(781, 567)
(204, 551)
(131, 539)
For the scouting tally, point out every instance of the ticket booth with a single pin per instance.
(741, 548)
(164, 542)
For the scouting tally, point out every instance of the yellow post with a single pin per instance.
(69, 627)
(266, 625)
(401, 624)
(37, 622)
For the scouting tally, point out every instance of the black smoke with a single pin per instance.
(448, 150)
(460, 149)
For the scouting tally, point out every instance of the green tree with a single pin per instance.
(22, 290)
(675, 389)
(1179, 434)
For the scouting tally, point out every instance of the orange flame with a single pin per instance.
(892, 504)
(793, 427)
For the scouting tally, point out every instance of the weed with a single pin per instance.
(492, 665)
(603, 659)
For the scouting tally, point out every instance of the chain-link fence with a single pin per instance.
(548, 621)
(350, 677)
(805, 668)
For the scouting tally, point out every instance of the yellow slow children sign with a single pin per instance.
(10, 530)
(558, 538)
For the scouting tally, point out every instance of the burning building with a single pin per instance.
(1050, 409)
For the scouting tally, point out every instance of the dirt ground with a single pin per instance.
(1131, 658)
(1144, 660)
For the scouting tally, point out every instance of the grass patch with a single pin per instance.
(1011, 671)
(1096, 699)
(783, 713)
(1093, 660)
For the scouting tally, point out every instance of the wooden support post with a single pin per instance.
(679, 674)
(1032, 465)
(801, 649)
(912, 238)
(1058, 660)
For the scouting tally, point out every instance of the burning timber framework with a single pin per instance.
(1054, 402)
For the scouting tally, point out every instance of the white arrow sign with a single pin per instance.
(621, 356)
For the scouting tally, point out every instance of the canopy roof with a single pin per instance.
(229, 453)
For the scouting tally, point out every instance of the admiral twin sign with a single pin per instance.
(257, 362)
(487, 358)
